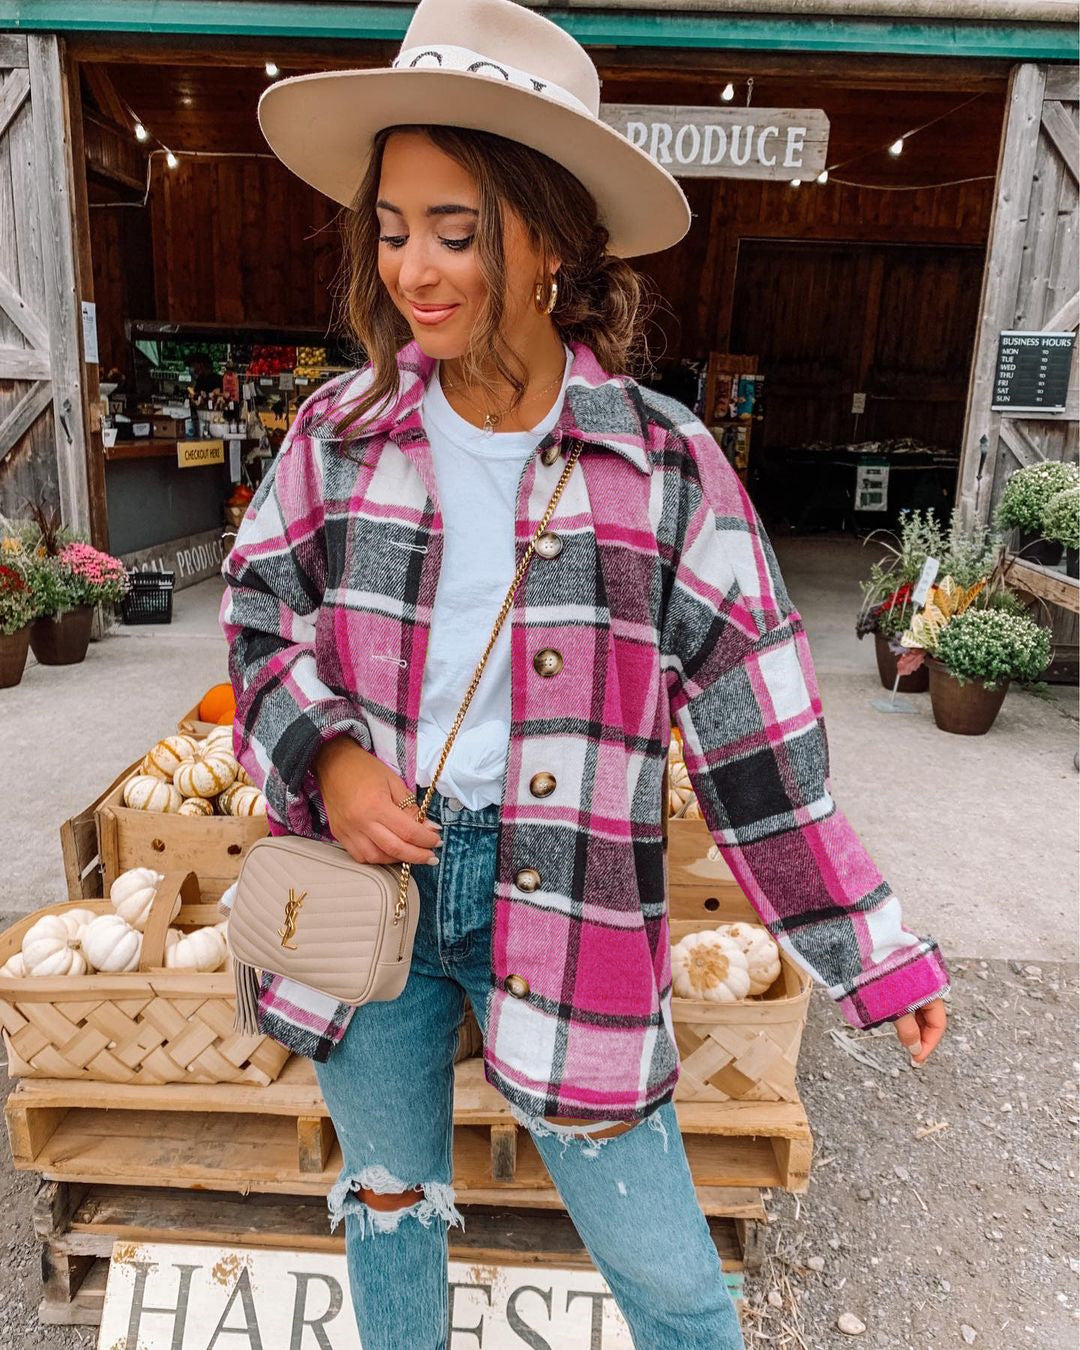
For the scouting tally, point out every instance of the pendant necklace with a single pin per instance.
(492, 419)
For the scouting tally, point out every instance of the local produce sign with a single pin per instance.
(162, 1296)
(782, 143)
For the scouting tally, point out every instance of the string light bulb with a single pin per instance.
(171, 160)
(272, 70)
(897, 147)
(796, 182)
(729, 92)
(141, 133)
(823, 176)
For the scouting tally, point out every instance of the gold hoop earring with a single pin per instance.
(538, 296)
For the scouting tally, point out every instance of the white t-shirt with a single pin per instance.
(478, 473)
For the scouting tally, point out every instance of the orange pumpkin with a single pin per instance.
(226, 719)
(216, 702)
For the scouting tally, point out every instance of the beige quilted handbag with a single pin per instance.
(306, 910)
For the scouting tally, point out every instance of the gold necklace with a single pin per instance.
(492, 419)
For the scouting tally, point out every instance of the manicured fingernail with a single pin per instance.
(915, 1063)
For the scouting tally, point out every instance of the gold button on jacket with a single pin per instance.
(528, 879)
(551, 454)
(542, 784)
(548, 662)
(517, 986)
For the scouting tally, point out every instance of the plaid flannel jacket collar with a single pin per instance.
(599, 409)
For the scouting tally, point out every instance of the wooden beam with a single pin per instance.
(23, 416)
(1063, 83)
(1019, 443)
(1016, 167)
(1067, 317)
(1059, 127)
(110, 104)
(83, 264)
(51, 133)
(21, 315)
(1045, 583)
(15, 92)
(111, 155)
(12, 51)
(22, 363)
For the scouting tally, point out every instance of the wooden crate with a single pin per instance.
(210, 846)
(83, 869)
(191, 724)
(77, 1225)
(278, 1139)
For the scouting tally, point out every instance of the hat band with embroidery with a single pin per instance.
(440, 56)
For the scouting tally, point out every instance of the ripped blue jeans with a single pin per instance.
(389, 1089)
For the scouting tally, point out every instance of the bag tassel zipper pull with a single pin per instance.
(246, 984)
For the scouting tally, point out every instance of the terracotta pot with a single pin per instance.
(916, 683)
(965, 708)
(63, 640)
(13, 649)
(1072, 562)
(1033, 548)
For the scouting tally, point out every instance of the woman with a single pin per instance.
(486, 283)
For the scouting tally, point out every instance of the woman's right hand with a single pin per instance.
(361, 797)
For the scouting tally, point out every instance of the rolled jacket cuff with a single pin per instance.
(915, 979)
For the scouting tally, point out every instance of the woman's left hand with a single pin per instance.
(921, 1030)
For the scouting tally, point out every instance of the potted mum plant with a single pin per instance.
(1061, 523)
(69, 578)
(1024, 501)
(17, 612)
(979, 653)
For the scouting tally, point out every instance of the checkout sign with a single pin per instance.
(167, 1296)
(197, 454)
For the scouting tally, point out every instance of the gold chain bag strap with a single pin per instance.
(307, 911)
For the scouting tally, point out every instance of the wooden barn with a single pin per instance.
(837, 324)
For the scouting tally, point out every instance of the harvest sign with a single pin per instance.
(726, 142)
(191, 1297)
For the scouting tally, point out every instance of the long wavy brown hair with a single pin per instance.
(602, 301)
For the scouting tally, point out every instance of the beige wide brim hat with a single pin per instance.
(489, 65)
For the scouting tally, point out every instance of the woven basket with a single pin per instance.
(147, 1026)
(745, 1051)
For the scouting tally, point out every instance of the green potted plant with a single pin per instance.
(1026, 496)
(966, 556)
(977, 655)
(1061, 522)
(17, 612)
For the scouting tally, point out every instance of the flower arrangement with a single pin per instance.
(17, 604)
(967, 556)
(1029, 491)
(93, 577)
(1061, 519)
(992, 645)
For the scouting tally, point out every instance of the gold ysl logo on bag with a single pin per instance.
(292, 913)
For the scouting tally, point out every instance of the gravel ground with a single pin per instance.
(942, 1204)
(941, 1210)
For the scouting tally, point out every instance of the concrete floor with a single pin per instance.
(977, 835)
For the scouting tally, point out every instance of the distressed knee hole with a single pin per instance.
(378, 1202)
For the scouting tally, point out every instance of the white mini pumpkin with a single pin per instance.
(243, 777)
(220, 738)
(680, 790)
(196, 806)
(132, 894)
(161, 761)
(76, 920)
(710, 966)
(111, 944)
(203, 949)
(143, 792)
(761, 952)
(52, 947)
(14, 967)
(207, 772)
(242, 800)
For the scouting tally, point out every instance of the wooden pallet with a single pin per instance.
(279, 1139)
(78, 1224)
